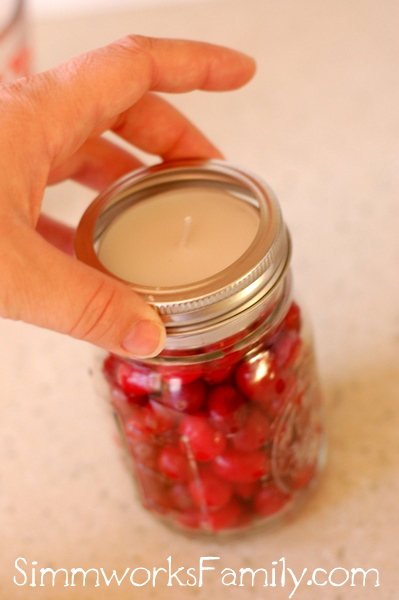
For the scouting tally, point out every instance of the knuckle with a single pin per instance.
(97, 319)
(141, 47)
(24, 112)
(135, 43)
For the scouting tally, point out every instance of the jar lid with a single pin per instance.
(227, 292)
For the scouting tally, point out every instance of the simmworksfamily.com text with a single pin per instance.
(278, 574)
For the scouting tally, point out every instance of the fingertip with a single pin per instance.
(248, 67)
(253, 65)
(146, 339)
(230, 70)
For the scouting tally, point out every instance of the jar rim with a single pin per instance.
(239, 285)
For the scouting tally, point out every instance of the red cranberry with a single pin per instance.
(142, 421)
(287, 348)
(210, 491)
(286, 392)
(190, 519)
(303, 476)
(245, 518)
(120, 402)
(160, 418)
(228, 343)
(136, 423)
(241, 467)
(263, 382)
(169, 438)
(173, 463)
(258, 378)
(201, 438)
(135, 379)
(292, 320)
(180, 497)
(245, 490)
(153, 489)
(144, 453)
(254, 433)
(220, 369)
(218, 374)
(182, 374)
(188, 397)
(227, 408)
(109, 367)
(225, 517)
(270, 500)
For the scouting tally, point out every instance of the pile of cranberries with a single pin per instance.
(226, 443)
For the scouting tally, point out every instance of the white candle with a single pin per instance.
(178, 237)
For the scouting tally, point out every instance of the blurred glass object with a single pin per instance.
(15, 55)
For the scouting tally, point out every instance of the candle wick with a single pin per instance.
(185, 232)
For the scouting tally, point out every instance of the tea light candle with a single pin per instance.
(178, 237)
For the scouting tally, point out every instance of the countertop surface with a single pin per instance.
(320, 124)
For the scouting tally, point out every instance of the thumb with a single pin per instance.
(47, 288)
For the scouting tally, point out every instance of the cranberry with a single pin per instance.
(120, 402)
(286, 389)
(241, 467)
(191, 518)
(142, 421)
(227, 408)
(220, 369)
(270, 500)
(218, 374)
(245, 490)
(109, 367)
(254, 433)
(292, 319)
(263, 382)
(210, 491)
(137, 380)
(169, 438)
(136, 423)
(182, 374)
(180, 497)
(287, 348)
(259, 378)
(173, 463)
(153, 489)
(144, 453)
(201, 438)
(159, 418)
(225, 517)
(245, 518)
(303, 476)
(227, 343)
(188, 397)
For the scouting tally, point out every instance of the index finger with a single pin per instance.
(95, 87)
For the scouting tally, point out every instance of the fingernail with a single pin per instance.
(146, 339)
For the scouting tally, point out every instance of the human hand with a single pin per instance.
(50, 130)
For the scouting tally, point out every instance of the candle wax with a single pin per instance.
(178, 237)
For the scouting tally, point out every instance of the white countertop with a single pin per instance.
(320, 124)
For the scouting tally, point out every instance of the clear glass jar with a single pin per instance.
(223, 429)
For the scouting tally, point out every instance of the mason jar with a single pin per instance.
(223, 430)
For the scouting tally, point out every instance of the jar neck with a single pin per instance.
(234, 333)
